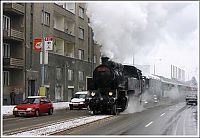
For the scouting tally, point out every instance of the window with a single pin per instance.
(6, 50)
(6, 75)
(46, 18)
(95, 59)
(81, 33)
(80, 76)
(6, 23)
(58, 73)
(61, 4)
(80, 54)
(81, 12)
(70, 74)
(70, 7)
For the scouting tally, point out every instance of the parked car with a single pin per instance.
(79, 100)
(34, 106)
(191, 99)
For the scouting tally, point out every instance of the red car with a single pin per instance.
(33, 106)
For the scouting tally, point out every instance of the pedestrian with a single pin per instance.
(12, 97)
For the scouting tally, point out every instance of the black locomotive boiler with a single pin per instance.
(112, 85)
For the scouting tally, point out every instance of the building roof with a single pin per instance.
(82, 92)
(35, 96)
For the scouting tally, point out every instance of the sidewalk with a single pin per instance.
(8, 109)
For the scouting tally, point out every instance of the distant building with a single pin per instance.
(72, 60)
(177, 73)
(144, 68)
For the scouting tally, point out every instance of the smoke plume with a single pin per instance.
(146, 31)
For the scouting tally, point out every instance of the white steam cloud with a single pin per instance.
(147, 31)
(173, 93)
(134, 105)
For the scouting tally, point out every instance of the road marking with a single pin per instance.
(184, 122)
(162, 114)
(149, 124)
(177, 123)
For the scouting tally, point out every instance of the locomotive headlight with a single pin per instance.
(93, 94)
(110, 93)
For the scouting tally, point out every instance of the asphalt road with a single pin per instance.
(164, 119)
(160, 120)
(13, 124)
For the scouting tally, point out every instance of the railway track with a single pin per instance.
(46, 129)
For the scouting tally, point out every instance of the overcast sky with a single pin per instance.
(160, 33)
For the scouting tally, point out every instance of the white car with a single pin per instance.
(79, 100)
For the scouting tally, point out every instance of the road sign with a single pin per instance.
(37, 44)
(48, 43)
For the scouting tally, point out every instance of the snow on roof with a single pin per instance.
(153, 77)
(82, 92)
(35, 96)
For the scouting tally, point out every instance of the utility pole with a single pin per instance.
(43, 50)
(154, 66)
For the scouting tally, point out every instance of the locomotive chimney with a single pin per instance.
(104, 60)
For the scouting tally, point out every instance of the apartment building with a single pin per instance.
(72, 60)
(12, 49)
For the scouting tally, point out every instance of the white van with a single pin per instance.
(79, 100)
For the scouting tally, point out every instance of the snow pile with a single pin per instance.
(61, 105)
(59, 126)
(7, 110)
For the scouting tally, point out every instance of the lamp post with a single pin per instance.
(154, 66)
(43, 50)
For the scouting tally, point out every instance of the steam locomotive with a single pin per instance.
(112, 85)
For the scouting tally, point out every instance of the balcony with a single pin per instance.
(62, 11)
(64, 35)
(13, 34)
(14, 8)
(13, 63)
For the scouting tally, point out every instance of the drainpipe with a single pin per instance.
(25, 74)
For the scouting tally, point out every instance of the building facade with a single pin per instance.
(72, 60)
(13, 51)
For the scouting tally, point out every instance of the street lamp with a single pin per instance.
(154, 67)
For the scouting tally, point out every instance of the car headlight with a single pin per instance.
(81, 102)
(93, 94)
(15, 109)
(28, 109)
(110, 93)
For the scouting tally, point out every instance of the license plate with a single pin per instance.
(22, 113)
(75, 104)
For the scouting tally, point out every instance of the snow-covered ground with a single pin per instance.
(60, 126)
(54, 127)
(7, 110)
